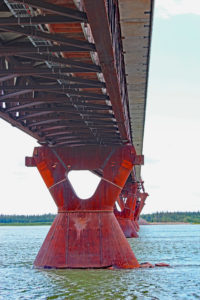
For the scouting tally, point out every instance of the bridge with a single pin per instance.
(74, 76)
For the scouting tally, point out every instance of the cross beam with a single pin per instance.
(60, 10)
(48, 19)
(58, 38)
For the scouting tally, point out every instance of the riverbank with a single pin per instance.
(25, 224)
(170, 223)
(162, 218)
(142, 222)
(172, 217)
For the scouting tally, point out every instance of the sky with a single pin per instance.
(172, 127)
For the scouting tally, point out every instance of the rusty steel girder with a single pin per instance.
(109, 58)
(140, 204)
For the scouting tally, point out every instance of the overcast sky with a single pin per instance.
(171, 143)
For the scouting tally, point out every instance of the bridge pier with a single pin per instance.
(139, 206)
(126, 216)
(85, 233)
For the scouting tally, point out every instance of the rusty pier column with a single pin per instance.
(85, 233)
(127, 202)
(139, 206)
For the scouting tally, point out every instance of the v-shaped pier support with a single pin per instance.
(125, 217)
(85, 233)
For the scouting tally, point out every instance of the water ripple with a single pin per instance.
(179, 248)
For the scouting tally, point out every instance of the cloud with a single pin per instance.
(150, 187)
(196, 194)
(169, 8)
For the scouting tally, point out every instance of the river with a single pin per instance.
(178, 245)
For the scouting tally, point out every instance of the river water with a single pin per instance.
(178, 245)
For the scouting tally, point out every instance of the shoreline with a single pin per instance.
(49, 223)
(25, 224)
(171, 223)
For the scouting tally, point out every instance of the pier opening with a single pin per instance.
(84, 183)
(117, 206)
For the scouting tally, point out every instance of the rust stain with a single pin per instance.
(80, 224)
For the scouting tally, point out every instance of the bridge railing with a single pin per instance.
(114, 21)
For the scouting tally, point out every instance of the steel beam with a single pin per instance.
(58, 128)
(60, 10)
(15, 94)
(84, 83)
(11, 50)
(7, 77)
(98, 20)
(63, 61)
(68, 122)
(56, 88)
(58, 38)
(80, 133)
(66, 114)
(68, 107)
(29, 70)
(48, 19)
(86, 143)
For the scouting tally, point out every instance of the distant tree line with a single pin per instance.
(47, 218)
(187, 217)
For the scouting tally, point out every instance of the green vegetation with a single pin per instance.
(46, 219)
(25, 224)
(186, 217)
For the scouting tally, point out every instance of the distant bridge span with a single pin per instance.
(74, 76)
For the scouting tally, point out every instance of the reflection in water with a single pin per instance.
(173, 244)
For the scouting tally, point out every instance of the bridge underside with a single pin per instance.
(73, 75)
(60, 82)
